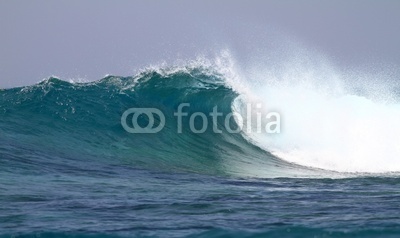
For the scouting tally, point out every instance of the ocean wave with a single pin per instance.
(322, 132)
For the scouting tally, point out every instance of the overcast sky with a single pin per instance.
(89, 39)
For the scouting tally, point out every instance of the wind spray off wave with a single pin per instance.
(328, 121)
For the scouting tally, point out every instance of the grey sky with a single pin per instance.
(88, 39)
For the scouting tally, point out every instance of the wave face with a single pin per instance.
(83, 121)
(325, 130)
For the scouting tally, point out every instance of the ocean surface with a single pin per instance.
(68, 168)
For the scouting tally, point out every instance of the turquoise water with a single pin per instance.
(69, 169)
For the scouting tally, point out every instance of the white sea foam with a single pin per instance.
(331, 120)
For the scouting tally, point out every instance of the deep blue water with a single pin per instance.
(69, 169)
